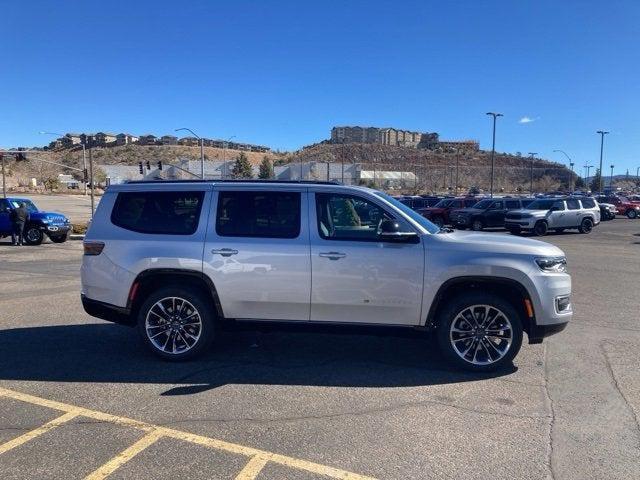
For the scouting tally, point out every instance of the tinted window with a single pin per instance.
(470, 202)
(348, 217)
(512, 204)
(558, 205)
(541, 205)
(497, 206)
(258, 214)
(573, 204)
(588, 202)
(483, 204)
(4, 204)
(171, 213)
(526, 202)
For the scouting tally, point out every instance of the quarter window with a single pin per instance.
(588, 202)
(169, 213)
(258, 214)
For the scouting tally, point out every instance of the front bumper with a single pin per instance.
(52, 229)
(538, 332)
(522, 223)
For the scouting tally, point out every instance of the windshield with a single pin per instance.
(28, 203)
(483, 204)
(540, 205)
(415, 216)
(443, 203)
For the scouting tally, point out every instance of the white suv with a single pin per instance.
(178, 259)
(556, 214)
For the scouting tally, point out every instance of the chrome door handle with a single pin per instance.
(332, 255)
(225, 252)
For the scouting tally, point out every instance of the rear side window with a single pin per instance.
(588, 202)
(512, 204)
(258, 214)
(573, 204)
(163, 213)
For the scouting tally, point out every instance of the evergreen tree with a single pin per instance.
(266, 169)
(242, 167)
(594, 185)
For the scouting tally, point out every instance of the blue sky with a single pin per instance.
(281, 73)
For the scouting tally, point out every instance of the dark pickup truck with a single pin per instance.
(489, 212)
(54, 225)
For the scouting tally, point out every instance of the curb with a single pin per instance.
(74, 236)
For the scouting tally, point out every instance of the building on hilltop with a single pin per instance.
(459, 146)
(125, 139)
(382, 136)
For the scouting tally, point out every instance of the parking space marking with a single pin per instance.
(36, 432)
(253, 468)
(123, 457)
(258, 458)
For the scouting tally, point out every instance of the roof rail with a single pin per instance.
(312, 182)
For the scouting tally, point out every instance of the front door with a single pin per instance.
(496, 214)
(5, 222)
(356, 278)
(557, 216)
(257, 253)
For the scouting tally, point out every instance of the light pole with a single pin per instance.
(84, 158)
(602, 134)
(457, 168)
(532, 155)
(571, 164)
(224, 156)
(586, 179)
(201, 149)
(611, 177)
(493, 146)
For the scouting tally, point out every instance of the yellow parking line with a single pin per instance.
(123, 457)
(36, 432)
(209, 442)
(252, 468)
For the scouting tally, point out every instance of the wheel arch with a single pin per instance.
(511, 290)
(151, 279)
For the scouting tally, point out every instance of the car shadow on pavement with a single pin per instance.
(110, 353)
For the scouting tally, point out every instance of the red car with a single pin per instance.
(439, 213)
(623, 205)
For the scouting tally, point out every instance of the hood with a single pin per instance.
(522, 211)
(482, 242)
(52, 217)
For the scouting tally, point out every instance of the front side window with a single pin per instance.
(258, 214)
(558, 205)
(348, 217)
(162, 213)
(497, 206)
(512, 204)
(573, 204)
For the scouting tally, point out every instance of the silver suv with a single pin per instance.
(556, 214)
(179, 259)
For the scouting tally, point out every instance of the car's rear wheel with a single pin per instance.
(541, 228)
(632, 214)
(176, 323)
(477, 225)
(479, 332)
(586, 225)
(33, 235)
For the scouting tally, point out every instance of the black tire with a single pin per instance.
(59, 238)
(586, 225)
(33, 235)
(200, 303)
(477, 225)
(439, 221)
(632, 214)
(451, 313)
(541, 228)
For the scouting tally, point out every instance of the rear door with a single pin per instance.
(573, 217)
(257, 252)
(356, 277)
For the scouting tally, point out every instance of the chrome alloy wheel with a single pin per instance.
(481, 334)
(173, 325)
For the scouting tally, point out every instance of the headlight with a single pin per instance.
(552, 264)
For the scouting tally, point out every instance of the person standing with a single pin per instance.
(19, 218)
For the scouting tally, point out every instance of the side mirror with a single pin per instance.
(390, 231)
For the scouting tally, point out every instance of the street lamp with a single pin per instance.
(84, 157)
(201, 148)
(586, 179)
(532, 156)
(493, 145)
(611, 177)
(571, 164)
(602, 134)
(224, 156)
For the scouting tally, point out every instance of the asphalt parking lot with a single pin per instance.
(79, 397)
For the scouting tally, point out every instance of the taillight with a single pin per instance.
(93, 248)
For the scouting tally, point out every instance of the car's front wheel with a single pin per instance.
(176, 323)
(480, 332)
(439, 221)
(541, 228)
(33, 235)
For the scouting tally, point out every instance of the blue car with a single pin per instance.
(54, 225)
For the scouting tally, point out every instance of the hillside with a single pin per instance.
(436, 171)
